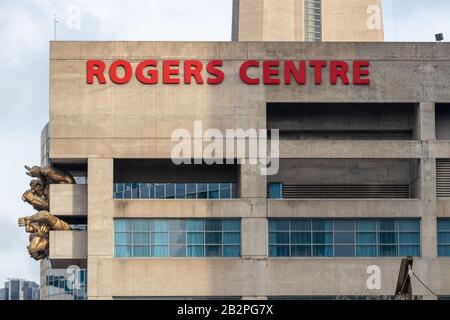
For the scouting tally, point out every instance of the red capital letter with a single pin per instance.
(168, 71)
(291, 70)
(243, 72)
(214, 71)
(113, 71)
(268, 72)
(193, 68)
(152, 73)
(318, 65)
(95, 68)
(358, 72)
(338, 69)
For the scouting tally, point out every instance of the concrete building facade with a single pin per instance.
(308, 20)
(357, 162)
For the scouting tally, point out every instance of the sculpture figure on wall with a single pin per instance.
(50, 175)
(40, 224)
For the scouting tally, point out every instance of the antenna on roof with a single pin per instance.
(55, 22)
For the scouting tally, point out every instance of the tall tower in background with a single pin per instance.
(307, 20)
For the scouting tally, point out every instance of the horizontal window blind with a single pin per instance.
(346, 191)
(443, 178)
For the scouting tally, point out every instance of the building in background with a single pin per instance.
(4, 294)
(19, 289)
(307, 20)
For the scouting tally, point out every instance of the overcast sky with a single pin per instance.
(26, 28)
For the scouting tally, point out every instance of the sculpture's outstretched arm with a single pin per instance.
(38, 203)
(45, 218)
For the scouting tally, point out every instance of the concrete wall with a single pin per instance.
(342, 117)
(68, 200)
(274, 20)
(351, 20)
(164, 171)
(66, 245)
(345, 171)
(101, 123)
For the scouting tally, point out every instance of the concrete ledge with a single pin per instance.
(68, 199)
(189, 208)
(150, 147)
(443, 208)
(439, 149)
(68, 245)
(337, 208)
(350, 149)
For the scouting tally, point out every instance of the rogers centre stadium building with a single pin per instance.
(363, 178)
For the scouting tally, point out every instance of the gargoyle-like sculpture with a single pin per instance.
(50, 175)
(37, 202)
(39, 226)
(38, 196)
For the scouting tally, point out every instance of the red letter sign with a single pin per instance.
(193, 68)
(152, 73)
(338, 69)
(270, 68)
(318, 65)
(168, 72)
(290, 70)
(358, 72)
(212, 70)
(95, 68)
(243, 72)
(127, 69)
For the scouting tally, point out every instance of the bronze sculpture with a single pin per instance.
(37, 202)
(50, 175)
(40, 224)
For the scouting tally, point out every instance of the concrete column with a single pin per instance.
(429, 228)
(254, 238)
(100, 227)
(251, 183)
(254, 229)
(427, 130)
(427, 134)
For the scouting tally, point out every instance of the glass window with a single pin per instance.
(366, 225)
(231, 251)
(344, 225)
(231, 225)
(177, 238)
(344, 251)
(177, 225)
(278, 224)
(196, 225)
(346, 238)
(443, 226)
(275, 190)
(213, 225)
(322, 225)
(174, 190)
(301, 224)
